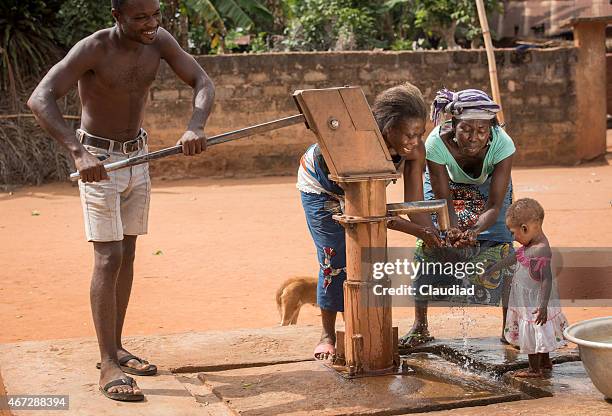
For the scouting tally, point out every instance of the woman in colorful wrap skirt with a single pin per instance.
(469, 161)
(400, 113)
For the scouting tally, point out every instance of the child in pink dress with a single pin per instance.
(534, 321)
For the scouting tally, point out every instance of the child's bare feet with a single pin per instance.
(545, 363)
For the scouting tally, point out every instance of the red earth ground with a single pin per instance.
(218, 249)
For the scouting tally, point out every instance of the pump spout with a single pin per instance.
(438, 206)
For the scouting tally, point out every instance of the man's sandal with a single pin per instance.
(149, 371)
(414, 339)
(122, 397)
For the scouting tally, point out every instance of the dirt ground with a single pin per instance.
(218, 249)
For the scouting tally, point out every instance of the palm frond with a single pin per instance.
(232, 10)
(205, 9)
(257, 10)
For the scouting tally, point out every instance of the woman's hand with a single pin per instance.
(457, 238)
(470, 237)
(395, 223)
(430, 236)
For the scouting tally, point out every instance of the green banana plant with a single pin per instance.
(217, 15)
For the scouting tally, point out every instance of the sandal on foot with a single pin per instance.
(149, 371)
(324, 349)
(122, 397)
(414, 339)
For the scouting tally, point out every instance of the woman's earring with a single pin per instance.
(489, 142)
(455, 139)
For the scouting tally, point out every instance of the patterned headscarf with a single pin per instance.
(468, 104)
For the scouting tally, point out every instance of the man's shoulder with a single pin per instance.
(102, 36)
(93, 45)
(165, 41)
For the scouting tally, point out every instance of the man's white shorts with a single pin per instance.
(120, 205)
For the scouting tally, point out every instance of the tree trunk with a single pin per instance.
(183, 39)
(276, 8)
(448, 34)
(169, 19)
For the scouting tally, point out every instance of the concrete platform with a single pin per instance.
(488, 354)
(311, 388)
(268, 371)
(568, 391)
(68, 367)
(566, 379)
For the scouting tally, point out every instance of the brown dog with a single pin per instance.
(292, 294)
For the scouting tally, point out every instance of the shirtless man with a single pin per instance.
(114, 69)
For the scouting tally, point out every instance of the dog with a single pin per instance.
(292, 294)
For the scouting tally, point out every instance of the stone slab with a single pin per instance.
(487, 354)
(568, 378)
(568, 392)
(68, 367)
(311, 388)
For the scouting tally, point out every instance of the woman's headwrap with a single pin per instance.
(468, 104)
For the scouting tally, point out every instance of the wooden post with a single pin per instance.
(359, 161)
(486, 33)
(590, 39)
(368, 325)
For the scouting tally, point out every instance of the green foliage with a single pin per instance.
(27, 42)
(399, 28)
(232, 38)
(80, 18)
(243, 12)
(332, 24)
(442, 17)
(203, 25)
(402, 45)
(32, 32)
(410, 45)
(206, 26)
(260, 43)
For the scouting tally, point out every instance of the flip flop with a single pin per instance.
(414, 339)
(150, 371)
(122, 397)
(322, 349)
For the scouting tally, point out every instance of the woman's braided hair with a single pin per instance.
(398, 103)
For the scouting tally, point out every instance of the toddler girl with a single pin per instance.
(534, 322)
